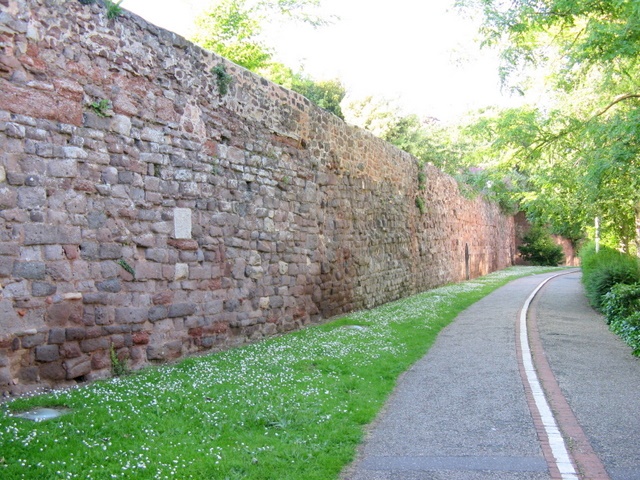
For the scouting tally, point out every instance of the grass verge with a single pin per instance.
(292, 407)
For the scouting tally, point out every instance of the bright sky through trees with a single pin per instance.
(420, 53)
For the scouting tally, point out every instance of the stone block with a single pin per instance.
(61, 314)
(31, 197)
(5, 376)
(6, 265)
(47, 353)
(29, 270)
(182, 309)
(57, 336)
(77, 367)
(113, 285)
(181, 272)
(183, 244)
(67, 168)
(42, 289)
(30, 341)
(93, 344)
(43, 234)
(52, 371)
(131, 315)
(75, 333)
(110, 251)
(8, 198)
(100, 360)
(182, 223)
(163, 298)
(158, 312)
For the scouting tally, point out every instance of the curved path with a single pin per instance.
(464, 411)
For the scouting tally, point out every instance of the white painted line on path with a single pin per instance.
(556, 442)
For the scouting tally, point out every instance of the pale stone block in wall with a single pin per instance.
(182, 222)
(182, 271)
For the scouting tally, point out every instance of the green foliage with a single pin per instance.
(223, 79)
(621, 302)
(119, 367)
(602, 270)
(234, 28)
(420, 204)
(422, 180)
(128, 268)
(101, 107)
(538, 248)
(579, 151)
(114, 10)
(291, 407)
(87, 2)
(621, 306)
(326, 94)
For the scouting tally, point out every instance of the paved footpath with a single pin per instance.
(462, 411)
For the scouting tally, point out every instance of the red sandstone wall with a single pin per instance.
(188, 220)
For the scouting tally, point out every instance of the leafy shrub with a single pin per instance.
(602, 270)
(621, 305)
(538, 248)
(629, 330)
(621, 302)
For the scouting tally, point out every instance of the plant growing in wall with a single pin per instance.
(119, 367)
(101, 107)
(420, 205)
(114, 9)
(422, 180)
(128, 268)
(223, 79)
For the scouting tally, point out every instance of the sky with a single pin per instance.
(421, 54)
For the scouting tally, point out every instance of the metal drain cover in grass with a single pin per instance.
(41, 414)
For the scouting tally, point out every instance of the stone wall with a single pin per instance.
(187, 219)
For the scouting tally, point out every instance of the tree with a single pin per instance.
(582, 149)
(234, 28)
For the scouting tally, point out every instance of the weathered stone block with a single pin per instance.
(67, 168)
(112, 285)
(52, 371)
(131, 315)
(70, 350)
(63, 313)
(77, 367)
(110, 251)
(42, 289)
(6, 265)
(31, 197)
(182, 309)
(47, 353)
(93, 344)
(158, 312)
(76, 333)
(182, 223)
(43, 234)
(30, 341)
(57, 336)
(29, 270)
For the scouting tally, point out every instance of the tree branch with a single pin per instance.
(615, 101)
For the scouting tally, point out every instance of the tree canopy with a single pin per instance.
(234, 29)
(579, 150)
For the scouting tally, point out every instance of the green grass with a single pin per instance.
(293, 407)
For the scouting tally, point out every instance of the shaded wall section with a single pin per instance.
(183, 219)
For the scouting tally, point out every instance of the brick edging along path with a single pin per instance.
(587, 463)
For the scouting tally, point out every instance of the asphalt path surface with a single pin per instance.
(461, 412)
